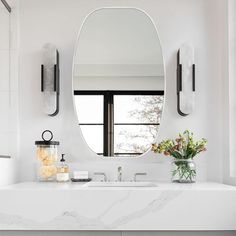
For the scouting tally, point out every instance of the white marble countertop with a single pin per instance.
(72, 206)
(208, 186)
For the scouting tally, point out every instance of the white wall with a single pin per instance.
(228, 60)
(58, 22)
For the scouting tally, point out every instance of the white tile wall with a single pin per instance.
(8, 93)
(13, 112)
(4, 147)
(14, 57)
(4, 79)
(4, 29)
(4, 113)
(4, 69)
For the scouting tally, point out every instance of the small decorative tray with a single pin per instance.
(81, 180)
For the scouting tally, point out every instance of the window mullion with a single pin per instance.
(105, 127)
(111, 124)
(108, 131)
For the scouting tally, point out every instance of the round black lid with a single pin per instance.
(48, 141)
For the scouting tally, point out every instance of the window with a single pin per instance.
(119, 123)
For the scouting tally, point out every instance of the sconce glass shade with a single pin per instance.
(186, 80)
(50, 80)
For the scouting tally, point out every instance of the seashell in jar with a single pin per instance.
(47, 172)
(42, 153)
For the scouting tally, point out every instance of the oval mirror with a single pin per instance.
(118, 82)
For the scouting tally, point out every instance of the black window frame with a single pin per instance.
(108, 115)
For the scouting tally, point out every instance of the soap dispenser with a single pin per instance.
(63, 170)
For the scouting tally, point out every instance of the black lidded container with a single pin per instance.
(47, 156)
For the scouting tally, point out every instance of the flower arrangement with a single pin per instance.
(183, 149)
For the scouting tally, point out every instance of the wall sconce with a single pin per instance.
(50, 80)
(185, 80)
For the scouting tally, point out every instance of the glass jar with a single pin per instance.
(183, 171)
(47, 158)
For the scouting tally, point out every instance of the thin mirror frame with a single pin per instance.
(72, 89)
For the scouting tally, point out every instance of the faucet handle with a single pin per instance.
(139, 173)
(119, 175)
(103, 174)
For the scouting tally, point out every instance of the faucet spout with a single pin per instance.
(119, 175)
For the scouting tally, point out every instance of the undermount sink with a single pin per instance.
(121, 184)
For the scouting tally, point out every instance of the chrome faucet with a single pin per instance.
(119, 175)
(102, 174)
(136, 174)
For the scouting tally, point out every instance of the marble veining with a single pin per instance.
(155, 205)
(73, 207)
(72, 220)
(118, 201)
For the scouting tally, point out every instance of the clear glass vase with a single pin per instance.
(183, 171)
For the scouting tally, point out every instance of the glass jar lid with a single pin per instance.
(47, 140)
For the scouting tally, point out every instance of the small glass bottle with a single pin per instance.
(63, 171)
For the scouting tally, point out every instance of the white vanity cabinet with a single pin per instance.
(121, 233)
(60, 233)
(179, 233)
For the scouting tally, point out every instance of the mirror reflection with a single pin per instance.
(118, 82)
